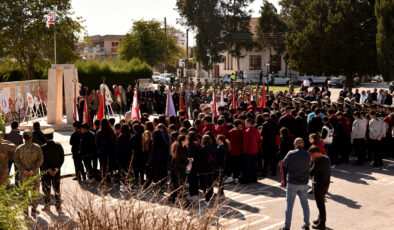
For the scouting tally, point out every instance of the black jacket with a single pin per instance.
(75, 141)
(221, 155)
(315, 125)
(87, 145)
(53, 156)
(38, 137)
(178, 164)
(123, 150)
(286, 144)
(206, 159)
(321, 173)
(269, 132)
(194, 152)
(297, 162)
(136, 146)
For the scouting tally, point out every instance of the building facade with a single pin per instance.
(101, 47)
(255, 61)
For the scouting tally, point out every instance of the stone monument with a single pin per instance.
(55, 92)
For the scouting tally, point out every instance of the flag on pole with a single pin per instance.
(262, 102)
(51, 19)
(170, 109)
(135, 109)
(221, 98)
(100, 113)
(214, 114)
(182, 103)
(234, 102)
(86, 111)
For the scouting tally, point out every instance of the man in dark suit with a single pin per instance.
(16, 138)
(269, 132)
(53, 160)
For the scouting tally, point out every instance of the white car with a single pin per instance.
(279, 80)
(314, 79)
(155, 77)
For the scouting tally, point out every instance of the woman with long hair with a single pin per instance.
(179, 154)
(286, 144)
(164, 132)
(106, 145)
(207, 166)
(223, 149)
(123, 152)
(158, 157)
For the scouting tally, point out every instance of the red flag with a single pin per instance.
(182, 103)
(135, 109)
(100, 113)
(214, 114)
(51, 19)
(234, 102)
(86, 111)
(262, 102)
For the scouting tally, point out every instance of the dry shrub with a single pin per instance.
(142, 209)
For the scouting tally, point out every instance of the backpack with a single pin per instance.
(330, 134)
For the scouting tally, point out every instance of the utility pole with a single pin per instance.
(165, 45)
(187, 53)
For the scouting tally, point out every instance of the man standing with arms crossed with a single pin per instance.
(297, 162)
(28, 159)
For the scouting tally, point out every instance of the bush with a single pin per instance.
(14, 201)
(118, 72)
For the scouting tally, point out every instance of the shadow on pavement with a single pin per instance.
(343, 200)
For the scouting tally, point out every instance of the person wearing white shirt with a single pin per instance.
(363, 97)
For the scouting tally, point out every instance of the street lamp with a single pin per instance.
(268, 65)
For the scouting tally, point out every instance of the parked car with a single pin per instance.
(377, 78)
(314, 79)
(339, 82)
(227, 80)
(155, 77)
(276, 79)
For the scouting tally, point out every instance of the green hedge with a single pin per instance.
(118, 72)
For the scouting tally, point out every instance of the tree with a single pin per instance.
(26, 39)
(271, 30)
(146, 42)
(332, 37)
(384, 11)
(220, 25)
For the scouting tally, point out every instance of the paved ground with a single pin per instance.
(360, 197)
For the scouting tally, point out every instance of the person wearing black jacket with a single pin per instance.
(179, 154)
(315, 124)
(221, 156)
(123, 154)
(321, 173)
(286, 144)
(75, 141)
(87, 149)
(53, 160)
(106, 145)
(138, 159)
(38, 136)
(158, 158)
(269, 132)
(194, 152)
(207, 166)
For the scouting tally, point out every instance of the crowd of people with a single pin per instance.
(234, 141)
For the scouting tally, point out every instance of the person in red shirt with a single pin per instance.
(315, 140)
(233, 168)
(221, 127)
(208, 125)
(251, 146)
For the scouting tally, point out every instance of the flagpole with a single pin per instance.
(54, 29)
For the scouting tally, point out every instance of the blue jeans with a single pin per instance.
(16, 171)
(302, 192)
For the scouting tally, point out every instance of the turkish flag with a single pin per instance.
(100, 113)
(262, 102)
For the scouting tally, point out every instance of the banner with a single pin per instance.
(6, 91)
(19, 99)
(4, 103)
(30, 100)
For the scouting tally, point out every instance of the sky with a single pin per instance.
(116, 16)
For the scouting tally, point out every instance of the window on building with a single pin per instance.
(255, 62)
(225, 63)
(183, 43)
(115, 43)
(276, 63)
